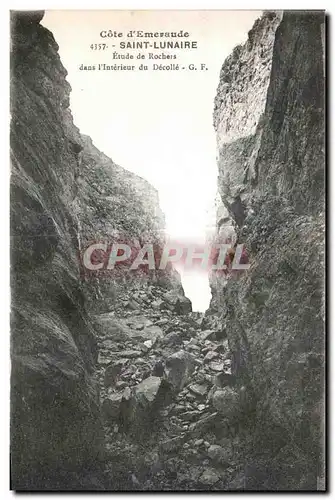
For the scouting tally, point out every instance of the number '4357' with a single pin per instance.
(98, 46)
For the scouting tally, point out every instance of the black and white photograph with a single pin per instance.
(167, 250)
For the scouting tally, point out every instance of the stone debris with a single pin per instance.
(179, 368)
(219, 454)
(227, 402)
(157, 378)
(147, 390)
(209, 477)
(216, 367)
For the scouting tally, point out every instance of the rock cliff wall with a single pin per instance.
(64, 193)
(54, 392)
(114, 205)
(269, 120)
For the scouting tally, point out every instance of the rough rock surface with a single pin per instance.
(162, 430)
(117, 206)
(116, 383)
(54, 392)
(270, 134)
(64, 193)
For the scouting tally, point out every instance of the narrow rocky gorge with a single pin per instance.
(116, 384)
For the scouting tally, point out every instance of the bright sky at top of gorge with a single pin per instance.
(157, 124)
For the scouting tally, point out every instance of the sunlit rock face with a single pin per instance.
(238, 109)
(114, 205)
(269, 120)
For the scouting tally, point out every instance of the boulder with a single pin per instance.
(172, 338)
(153, 333)
(118, 330)
(223, 379)
(210, 356)
(147, 391)
(208, 335)
(138, 322)
(185, 305)
(158, 304)
(198, 442)
(179, 368)
(158, 369)
(111, 373)
(111, 406)
(178, 303)
(102, 359)
(219, 454)
(216, 367)
(133, 305)
(110, 327)
(209, 477)
(172, 444)
(148, 344)
(198, 389)
(131, 353)
(147, 399)
(227, 402)
(203, 425)
(190, 416)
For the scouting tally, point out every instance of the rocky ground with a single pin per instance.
(167, 396)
